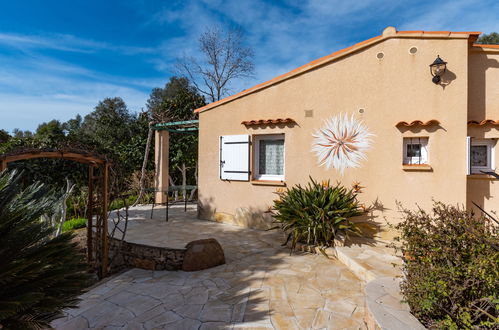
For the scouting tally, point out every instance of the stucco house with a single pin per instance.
(375, 114)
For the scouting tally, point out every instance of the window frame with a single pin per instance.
(256, 158)
(425, 154)
(490, 144)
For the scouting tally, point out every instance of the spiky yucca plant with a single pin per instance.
(317, 213)
(40, 274)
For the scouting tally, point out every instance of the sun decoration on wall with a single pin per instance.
(341, 142)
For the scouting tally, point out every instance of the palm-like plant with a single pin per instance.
(317, 213)
(40, 273)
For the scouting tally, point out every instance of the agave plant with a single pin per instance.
(317, 213)
(40, 273)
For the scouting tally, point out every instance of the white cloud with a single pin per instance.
(35, 88)
(455, 15)
(65, 42)
(38, 89)
(285, 37)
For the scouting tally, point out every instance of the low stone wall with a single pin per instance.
(385, 308)
(124, 254)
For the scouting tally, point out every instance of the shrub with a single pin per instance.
(119, 202)
(77, 204)
(40, 274)
(317, 213)
(73, 224)
(452, 267)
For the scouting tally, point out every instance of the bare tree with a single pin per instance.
(224, 58)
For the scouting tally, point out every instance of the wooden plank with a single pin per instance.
(105, 204)
(81, 158)
(90, 209)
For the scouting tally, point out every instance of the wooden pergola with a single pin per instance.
(162, 147)
(98, 197)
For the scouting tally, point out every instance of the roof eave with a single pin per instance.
(388, 33)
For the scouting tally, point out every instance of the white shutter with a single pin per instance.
(234, 157)
(468, 155)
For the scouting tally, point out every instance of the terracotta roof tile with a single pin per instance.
(268, 121)
(483, 122)
(418, 123)
(485, 46)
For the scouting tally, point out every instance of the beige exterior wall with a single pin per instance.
(484, 104)
(395, 88)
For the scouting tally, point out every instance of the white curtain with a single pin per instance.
(271, 157)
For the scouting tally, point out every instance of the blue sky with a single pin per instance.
(59, 58)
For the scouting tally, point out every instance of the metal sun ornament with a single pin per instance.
(341, 142)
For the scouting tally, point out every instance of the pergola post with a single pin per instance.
(161, 162)
(90, 213)
(105, 204)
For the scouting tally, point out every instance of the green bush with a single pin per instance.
(77, 204)
(40, 273)
(119, 203)
(452, 267)
(73, 224)
(317, 213)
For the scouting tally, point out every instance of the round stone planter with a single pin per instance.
(197, 255)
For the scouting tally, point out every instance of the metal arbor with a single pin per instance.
(98, 198)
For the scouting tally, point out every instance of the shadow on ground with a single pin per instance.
(260, 286)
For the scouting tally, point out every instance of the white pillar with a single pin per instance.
(161, 149)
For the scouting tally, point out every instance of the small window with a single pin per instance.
(415, 151)
(269, 157)
(482, 155)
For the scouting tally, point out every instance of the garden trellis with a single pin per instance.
(98, 197)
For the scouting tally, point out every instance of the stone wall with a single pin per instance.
(124, 254)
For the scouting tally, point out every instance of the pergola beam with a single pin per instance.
(74, 156)
(193, 122)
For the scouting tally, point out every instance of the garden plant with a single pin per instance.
(317, 213)
(40, 273)
(451, 267)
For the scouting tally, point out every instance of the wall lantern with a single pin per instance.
(437, 69)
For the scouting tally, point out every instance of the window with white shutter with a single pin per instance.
(269, 157)
(481, 156)
(234, 157)
(415, 151)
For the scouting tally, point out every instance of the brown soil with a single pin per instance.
(81, 239)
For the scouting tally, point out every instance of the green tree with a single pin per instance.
(40, 275)
(111, 129)
(109, 124)
(72, 128)
(489, 39)
(17, 133)
(50, 134)
(4, 136)
(177, 102)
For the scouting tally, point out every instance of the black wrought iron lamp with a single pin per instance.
(437, 69)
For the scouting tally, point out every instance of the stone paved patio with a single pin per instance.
(260, 287)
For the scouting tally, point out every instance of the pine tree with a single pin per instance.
(40, 274)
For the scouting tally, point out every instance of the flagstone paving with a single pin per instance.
(262, 286)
